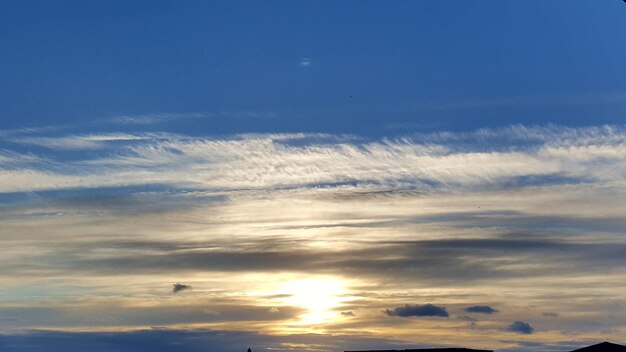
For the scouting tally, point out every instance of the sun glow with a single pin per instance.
(320, 298)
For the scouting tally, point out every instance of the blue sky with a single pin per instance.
(375, 68)
(312, 175)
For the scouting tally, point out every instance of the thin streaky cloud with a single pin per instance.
(155, 118)
(270, 161)
(81, 142)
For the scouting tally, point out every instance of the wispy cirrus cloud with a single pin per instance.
(163, 118)
(85, 142)
(154, 118)
(269, 161)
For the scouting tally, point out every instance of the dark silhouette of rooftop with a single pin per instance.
(600, 347)
(603, 347)
(431, 350)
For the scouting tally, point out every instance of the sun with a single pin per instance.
(318, 296)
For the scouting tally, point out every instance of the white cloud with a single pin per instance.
(87, 141)
(149, 119)
(270, 161)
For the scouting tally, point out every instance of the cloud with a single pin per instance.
(305, 62)
(84, 142)
(132, 311)
(550, 314)
(436, 162)
(15, 160)
(180, 287)
(471, 321)
(433, 218)
(426, 310)
(481, 309)
(440, 261)
(347, 313)
(274, 310)
(533, 346)
(521, 327)
(149, 119)
(162, 339)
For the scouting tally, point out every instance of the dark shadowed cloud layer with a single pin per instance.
(165, 340)
(425, 310)
(481, 309)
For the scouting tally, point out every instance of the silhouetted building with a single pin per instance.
(600, 347)
(431, 350)
(603, 347)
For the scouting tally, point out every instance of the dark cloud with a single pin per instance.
(470, 320)
(166, 340)
(347, 313)
(9, 320)
(218, 310)
(180, 287)
(550, 314)
(426, 310)
(151, 198)
(433, 261)
(481, 309)
(521, 327)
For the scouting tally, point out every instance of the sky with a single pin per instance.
(312, 175)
